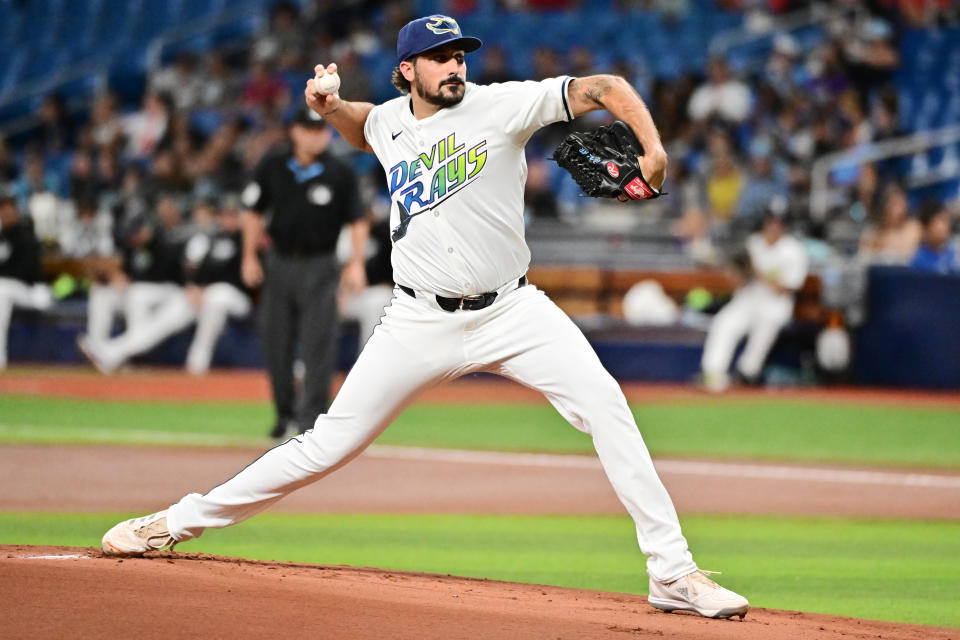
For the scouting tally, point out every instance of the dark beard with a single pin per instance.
(439, 99)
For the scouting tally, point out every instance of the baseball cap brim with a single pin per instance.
(467, 43)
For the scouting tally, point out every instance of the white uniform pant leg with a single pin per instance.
(174, 314)
(727, 329)
(413, 348)
(770, 314)
(104, 303)
(14, 293)
(142, 299)
(542, 348)
(220, 301)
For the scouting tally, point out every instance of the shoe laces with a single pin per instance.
(700, 576)
(155, 533)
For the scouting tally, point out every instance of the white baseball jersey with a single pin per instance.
(450, 237)
(784, 262)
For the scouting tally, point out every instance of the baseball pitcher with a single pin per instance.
(453, 153)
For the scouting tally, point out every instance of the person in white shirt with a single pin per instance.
(453, 154)
(759, 309)
(720, 96)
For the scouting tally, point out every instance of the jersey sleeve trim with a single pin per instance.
(563, 94)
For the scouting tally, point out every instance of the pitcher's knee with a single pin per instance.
(334, 439)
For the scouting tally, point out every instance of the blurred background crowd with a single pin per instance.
(841, 118)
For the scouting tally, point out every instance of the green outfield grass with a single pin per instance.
(888, 570)
(756, 429)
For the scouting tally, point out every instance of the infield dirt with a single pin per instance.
(59, 592)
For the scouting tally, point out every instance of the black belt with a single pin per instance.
(467, 303)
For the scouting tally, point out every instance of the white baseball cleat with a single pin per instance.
(696, 592)
(92, 352)
(136, 537)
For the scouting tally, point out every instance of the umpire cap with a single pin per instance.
(307, 117)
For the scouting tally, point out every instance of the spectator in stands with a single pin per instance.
(884, 118)
(936, 253)
(759, 309)
(219, 86)
(264, 93)
(779, 73)
(8, 168)
(826, 76)
(283, 34)
(870, 55)
(895, 236)
(88, 233)
(181, 81)
(20, 271)
(84, 182)
(721, 96)
(144, 129)
(219, 167)
(56, 131)
(724, 179)
(668, 112)
(857, 127)
(762, 184)
(539, 197)
(106, 126)
(495, 66)
(546, 62)
(580, 62)
(38, 193)
(212, 293)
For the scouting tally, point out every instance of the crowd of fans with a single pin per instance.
(738, 140)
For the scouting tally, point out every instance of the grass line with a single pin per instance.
(905, 571)
(910, 437)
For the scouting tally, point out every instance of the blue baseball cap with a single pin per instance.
(423, 34)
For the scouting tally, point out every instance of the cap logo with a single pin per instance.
(443, 24)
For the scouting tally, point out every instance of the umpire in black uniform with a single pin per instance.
(300, 199)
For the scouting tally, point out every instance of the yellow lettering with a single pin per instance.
(477, 157)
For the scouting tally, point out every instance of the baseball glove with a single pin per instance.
(604, 162)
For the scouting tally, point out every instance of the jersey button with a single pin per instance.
(420, 142)
(449, 249)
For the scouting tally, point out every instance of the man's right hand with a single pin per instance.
(251, 271)
(322, 104)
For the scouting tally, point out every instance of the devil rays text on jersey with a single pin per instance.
(447, 168)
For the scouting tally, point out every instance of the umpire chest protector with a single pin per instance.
(306, 205)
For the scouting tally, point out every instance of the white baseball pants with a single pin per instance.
(175, 313)
(522, 336)
(756, 312)
(137, 301)
(14, 293)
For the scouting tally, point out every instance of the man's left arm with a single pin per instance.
(615, 94)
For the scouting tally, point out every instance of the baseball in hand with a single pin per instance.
(327, 83)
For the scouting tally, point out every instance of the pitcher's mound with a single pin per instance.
(77, 593)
